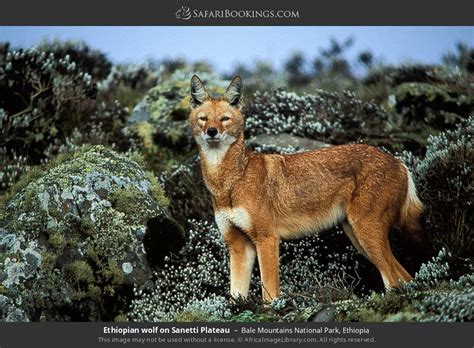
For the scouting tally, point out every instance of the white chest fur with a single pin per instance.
(214, 154)
(238, 217)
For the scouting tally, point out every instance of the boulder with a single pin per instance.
(437, 105)
(74, 239)
(161, 117)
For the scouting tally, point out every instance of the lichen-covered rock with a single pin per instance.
(438, 105)
(73, 240)
(162, 114)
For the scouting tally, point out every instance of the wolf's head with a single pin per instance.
(216, 122)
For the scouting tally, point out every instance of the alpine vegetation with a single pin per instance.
(106, 213)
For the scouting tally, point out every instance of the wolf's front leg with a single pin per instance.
(242, 257)
(269, 263)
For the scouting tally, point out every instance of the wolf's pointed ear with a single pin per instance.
(233, 94)
(198, 93)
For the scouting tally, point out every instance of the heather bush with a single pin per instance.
(324, 116)
(333, 71)
(431, 296)
(86, 58)
(200, 273)
(462, 58)
(129, 82)
(445, 184)
(260, 76)
(437, 105)
(189, 197)
(105, 126)
(331, 117)
(392, 76)
(12, 166)
(48, 106)
(39, 94)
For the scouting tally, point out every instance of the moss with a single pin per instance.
(33, 174)
(36, 172)
(157, 190)
(249, 316)
(112, 236)
(79, 272)
(139, 158)
(121, 318)
(125, 200)
(389, 302)
(145, 131)
(92, 253)
(67, 215)
(94, 292)
(112, 273)
(429, 91)
(191, 316)
(365, 315)
(402, 317)
(71, 243)
(48, 261)
(56, 239)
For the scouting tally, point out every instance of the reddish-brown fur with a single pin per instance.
(260, 198)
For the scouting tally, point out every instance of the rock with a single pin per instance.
(161, 117)
(9, 311)
(72, 242)
(324, 315)
(285, 140)
(438, 105)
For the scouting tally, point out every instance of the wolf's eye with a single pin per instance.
(203, 118)
(225, 118)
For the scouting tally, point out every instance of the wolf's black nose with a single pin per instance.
(212, 132)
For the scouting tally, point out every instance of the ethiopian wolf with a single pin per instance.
(260, 198)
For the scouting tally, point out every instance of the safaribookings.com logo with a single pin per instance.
(186, 13)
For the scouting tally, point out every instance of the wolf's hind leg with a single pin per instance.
(372, 235)
(350, 234)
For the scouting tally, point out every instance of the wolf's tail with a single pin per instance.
(410, 214)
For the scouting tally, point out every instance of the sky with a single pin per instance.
(224, 47)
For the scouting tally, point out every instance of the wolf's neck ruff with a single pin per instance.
(214, 153)
(223, 164)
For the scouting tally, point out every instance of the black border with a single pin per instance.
(311, 12)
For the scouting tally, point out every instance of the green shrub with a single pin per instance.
(189, 197)
(445, 184)
(321, 115)
(90, 60)
(39, 93)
